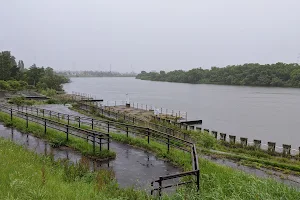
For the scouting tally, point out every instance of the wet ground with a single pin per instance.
(132, 167)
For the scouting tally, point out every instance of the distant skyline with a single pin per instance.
(135, 35)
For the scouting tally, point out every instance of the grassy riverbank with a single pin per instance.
(55, 137)
(217, 182)
(25, 175)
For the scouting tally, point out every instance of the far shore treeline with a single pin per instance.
(14, 75)
(252, 74)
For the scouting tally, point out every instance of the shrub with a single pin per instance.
(4, 85)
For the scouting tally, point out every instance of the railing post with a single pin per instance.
(168, 143)
(92, 123)
(108, 143)
(108, 126)
(160, 186)
(94, 142)
(11, 115)
(67, 132)
(100, 143)
(79, 122)
(26, 120)
(45, 124)
(43, 113)
(127, 131)
(58, 116)
(148, 133)
(68, 119)
(198, 180)
(50, 115)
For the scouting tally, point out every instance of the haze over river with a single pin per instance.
(268, 114)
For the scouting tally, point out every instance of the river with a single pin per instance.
(267, 114)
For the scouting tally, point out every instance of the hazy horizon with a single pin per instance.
(150, 35)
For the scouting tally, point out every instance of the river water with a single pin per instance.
(268, 114)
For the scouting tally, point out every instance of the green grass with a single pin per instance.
(25, 175)
(55, 137)
(39, 178)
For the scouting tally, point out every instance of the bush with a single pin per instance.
(4, 85)
(49, 92)
(15, 85)
(17, 101)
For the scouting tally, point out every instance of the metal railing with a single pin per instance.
(94, 137)
(109, 126)
(108, 112)
(195, 172)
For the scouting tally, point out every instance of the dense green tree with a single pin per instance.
(253, 74)
(7, 62)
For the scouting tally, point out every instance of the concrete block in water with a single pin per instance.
(271, 146)
(232, 139)
(257, 144)
(223, 136)
(215, 134)
(244, 141)
(286, 151)
(206, 130)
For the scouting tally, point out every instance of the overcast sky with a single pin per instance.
(150, 35)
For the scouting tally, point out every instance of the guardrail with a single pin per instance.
(111, 126)
(95, 137)
(195, 172)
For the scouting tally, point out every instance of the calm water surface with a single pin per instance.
(269, 114)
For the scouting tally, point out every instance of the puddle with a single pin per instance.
(132, 167)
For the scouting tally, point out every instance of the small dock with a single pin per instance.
(92, 100)
(191, 122)
(31, 97)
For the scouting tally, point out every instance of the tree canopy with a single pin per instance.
(14, 76)
(252, 74)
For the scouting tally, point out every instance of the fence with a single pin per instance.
(107, 111)
(95, 137)
(177, 114)
(109, 126)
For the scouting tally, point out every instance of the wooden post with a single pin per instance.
(11, 114)
(127, 131)
(68, 119)
(100, 143)
(108, 126)
(79, 122)
(92, 123)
